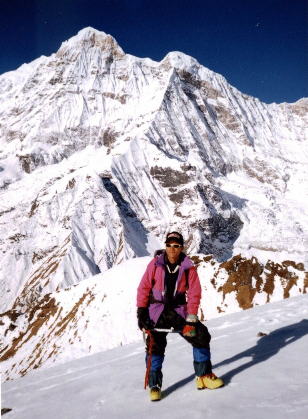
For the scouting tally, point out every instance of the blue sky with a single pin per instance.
(260, 46)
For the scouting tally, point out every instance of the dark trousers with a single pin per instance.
(201, 345)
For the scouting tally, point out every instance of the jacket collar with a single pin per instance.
(186, 263)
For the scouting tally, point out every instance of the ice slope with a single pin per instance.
(266, 376)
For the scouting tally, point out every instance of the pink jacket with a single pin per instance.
(151, 289)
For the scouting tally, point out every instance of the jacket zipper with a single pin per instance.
(177, 281)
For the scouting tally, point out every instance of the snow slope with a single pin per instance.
(265, 376)
(62, 326)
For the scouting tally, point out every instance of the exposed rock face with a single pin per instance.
(244, 283)
(99, 313)
(103, 152)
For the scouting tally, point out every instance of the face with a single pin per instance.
(173, 253)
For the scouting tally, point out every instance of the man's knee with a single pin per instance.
(202, 338)
(158, 344)
(203, 334)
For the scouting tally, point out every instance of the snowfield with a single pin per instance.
(266, 376)
(62, 326)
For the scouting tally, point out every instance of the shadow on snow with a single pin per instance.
(266, 347)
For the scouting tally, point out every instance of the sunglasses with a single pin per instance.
(176, 246)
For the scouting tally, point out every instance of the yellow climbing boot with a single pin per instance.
(155, 394)
(209, 381)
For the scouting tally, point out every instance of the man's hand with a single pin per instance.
(144, 321)
(189, 329)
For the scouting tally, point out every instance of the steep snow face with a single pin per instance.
(100, 313)
(103, 152)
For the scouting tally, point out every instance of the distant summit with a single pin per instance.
(92, 38)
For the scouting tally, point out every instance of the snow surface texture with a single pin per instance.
(266, 376)
(102, 153)
(100, 313)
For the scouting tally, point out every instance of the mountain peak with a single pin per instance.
(88, 31)
(92, 38)
(186, 63)
(180, 59)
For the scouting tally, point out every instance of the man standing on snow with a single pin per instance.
(168, 296)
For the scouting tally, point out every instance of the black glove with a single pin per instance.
(144, 321)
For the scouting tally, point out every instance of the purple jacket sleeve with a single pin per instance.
(194, 292)
(145, 286)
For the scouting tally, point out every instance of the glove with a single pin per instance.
(189, 329)
(144, 321)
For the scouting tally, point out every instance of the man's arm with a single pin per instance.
(145, 286)
(193, 302)
(194, 292)
(143, 294)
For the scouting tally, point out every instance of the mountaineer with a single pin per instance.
(168, 296)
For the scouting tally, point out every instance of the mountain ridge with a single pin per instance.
(104, 155)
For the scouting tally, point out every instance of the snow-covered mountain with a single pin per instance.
(103, 152)
(260, 353)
